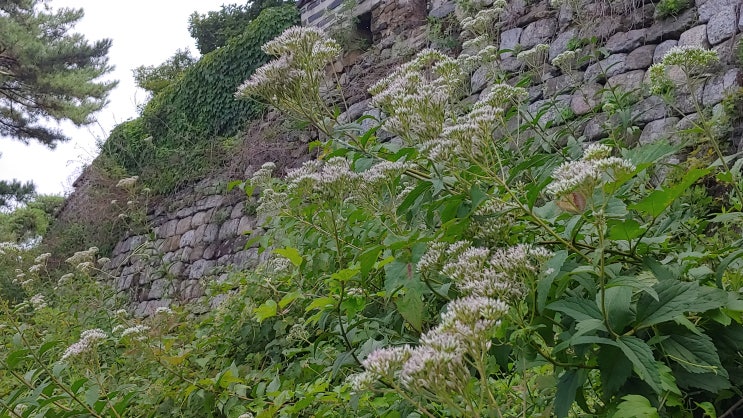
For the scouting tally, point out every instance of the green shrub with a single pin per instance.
(177, 139)
(203, 101)
(668, 8)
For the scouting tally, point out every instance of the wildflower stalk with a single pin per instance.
(56, 381)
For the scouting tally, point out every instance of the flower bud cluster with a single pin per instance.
(691, 60)
(88, 340)
(83, 256)
(303, 53)
(575, 181)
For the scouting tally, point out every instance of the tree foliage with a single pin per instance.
(47, 72)
(15, 192)
(156, 78)
(212, 30)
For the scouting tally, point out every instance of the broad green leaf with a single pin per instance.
(624, 230)
(619, 308)
(267, 310)
(694, 352)
(320, 303)
(345, 274)
(289, 298)
(658, 200)
(635, 406)
(661, 271)
(291, 254)
(16, 357)
(641, 281)
(615, 369)
(708, 408)
(710, 382)
(643, 361)
(398, 275)
(674, 299)
(411, 307)
(567, 386)
(413, 196)
(577, 308)
(649, 153)
(92, 395)
(368, 258)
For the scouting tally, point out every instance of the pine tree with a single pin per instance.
(47, 72)
(13, 192)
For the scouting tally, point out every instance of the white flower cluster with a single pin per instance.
(303, 53)
(693, 62)
(83, 256)
(66, 278)
(492, 220)
(417, 95)
(88, 340)
(440, 362)
(502, 273)
(38, 301)
(567, 61)
(535, 57)
(41, 259)
(438, 254)
(135, 330)
(383, 172)
(575, 181)
(163, 310)
(262, 177)
(127, 183)
(332, 177)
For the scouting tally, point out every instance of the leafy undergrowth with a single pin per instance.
(476, 265)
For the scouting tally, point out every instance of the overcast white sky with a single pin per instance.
(144, 32)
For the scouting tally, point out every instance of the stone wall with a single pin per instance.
(387, 17)
(201, 233)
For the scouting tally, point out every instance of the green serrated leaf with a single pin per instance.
(694, 352)
(635, 406)
(291, 254)
(674, 299)
(624, 230)
(577, 308)
(289, 298)
(619, 308)
(545, 283)
(567, 387)
(411, 307)
(658, 200)
(267, 310)
(643, 361)
(615, 369)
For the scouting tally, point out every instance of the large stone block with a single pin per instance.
(183, 225)
(608, 67)
(649, 109)
(626, 41)
(662, 49)
(722, 25)
(696, 36)
(509, 39)
(560, 44)
(713, 7)
(586, 98)
(671, 27)
(539, 32)
(627, 82)
(640, 58)
(658, 130)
